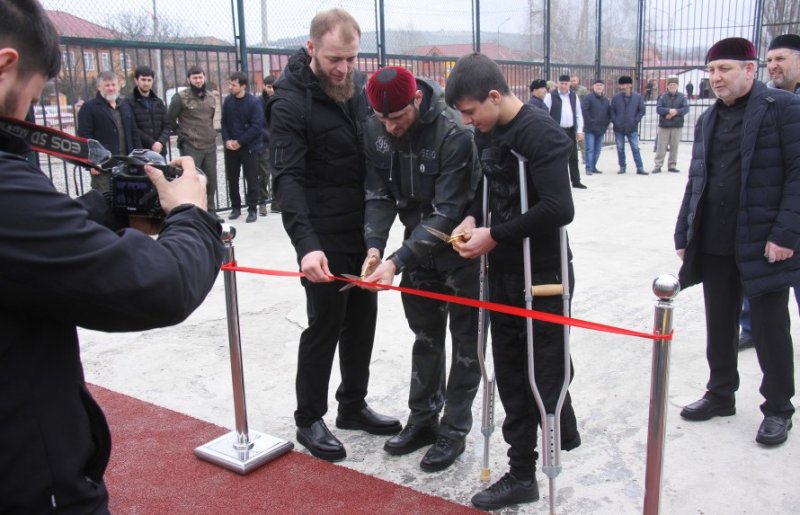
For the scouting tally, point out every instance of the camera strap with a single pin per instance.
(73, 149)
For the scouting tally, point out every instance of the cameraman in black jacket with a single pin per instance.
(58, 270)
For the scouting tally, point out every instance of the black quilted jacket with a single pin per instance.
(769, 200)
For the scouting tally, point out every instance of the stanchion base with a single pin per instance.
(220, 451)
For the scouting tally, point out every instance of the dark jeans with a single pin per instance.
(344, 318)
(633, 140)
(722, 291)
(510, 351)
(594, 144)
(205, 160)
(431, 388)
(247, 162)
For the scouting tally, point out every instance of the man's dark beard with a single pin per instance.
(408, 136)
(338, 92)
(198, 91)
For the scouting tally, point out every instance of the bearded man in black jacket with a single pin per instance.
(315, 122)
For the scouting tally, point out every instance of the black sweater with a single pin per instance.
(539, 138)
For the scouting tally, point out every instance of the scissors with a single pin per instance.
(442, 236)
(369, 267)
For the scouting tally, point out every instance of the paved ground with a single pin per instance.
(622, 239)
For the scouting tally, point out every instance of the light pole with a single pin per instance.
(498, 34)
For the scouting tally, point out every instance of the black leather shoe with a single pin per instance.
(579, 185)
(443, 453)
(319, 440)
(673, 170)
(705, 409)
(596, 171)
(411, 438)
(640, 171)
(369, 421)
(773, 430)
(507, 491)
(235, 213)
(251, 217)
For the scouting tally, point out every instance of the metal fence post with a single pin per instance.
(666, 288)
(240, 450)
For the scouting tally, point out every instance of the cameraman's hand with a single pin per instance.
(189, 188)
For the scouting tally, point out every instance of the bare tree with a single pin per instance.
(403, 40)
(141, 26)
(780, 17)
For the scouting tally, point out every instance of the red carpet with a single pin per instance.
(153, 471)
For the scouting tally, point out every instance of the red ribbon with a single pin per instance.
(465, 301)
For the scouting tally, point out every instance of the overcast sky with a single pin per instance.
(291, 18)
(676, 23)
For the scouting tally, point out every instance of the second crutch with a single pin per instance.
(551, 425)
(487, 416)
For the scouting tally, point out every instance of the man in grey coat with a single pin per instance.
(738, 232)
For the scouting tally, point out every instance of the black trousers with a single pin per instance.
(247, 162)
(344, 318)
(510, 351)
(722, 292)
(431, 388)
(574, 171)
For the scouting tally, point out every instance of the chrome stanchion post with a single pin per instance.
(666, 288)
(240, 450)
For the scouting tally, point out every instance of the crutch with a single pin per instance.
(487, 416)
(551, 423)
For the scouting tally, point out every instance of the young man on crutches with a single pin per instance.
(477, 88)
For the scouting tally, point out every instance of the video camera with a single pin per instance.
(132, 193)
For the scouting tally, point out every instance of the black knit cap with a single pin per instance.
(790, 41)
(737, 49)
(538, 83)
